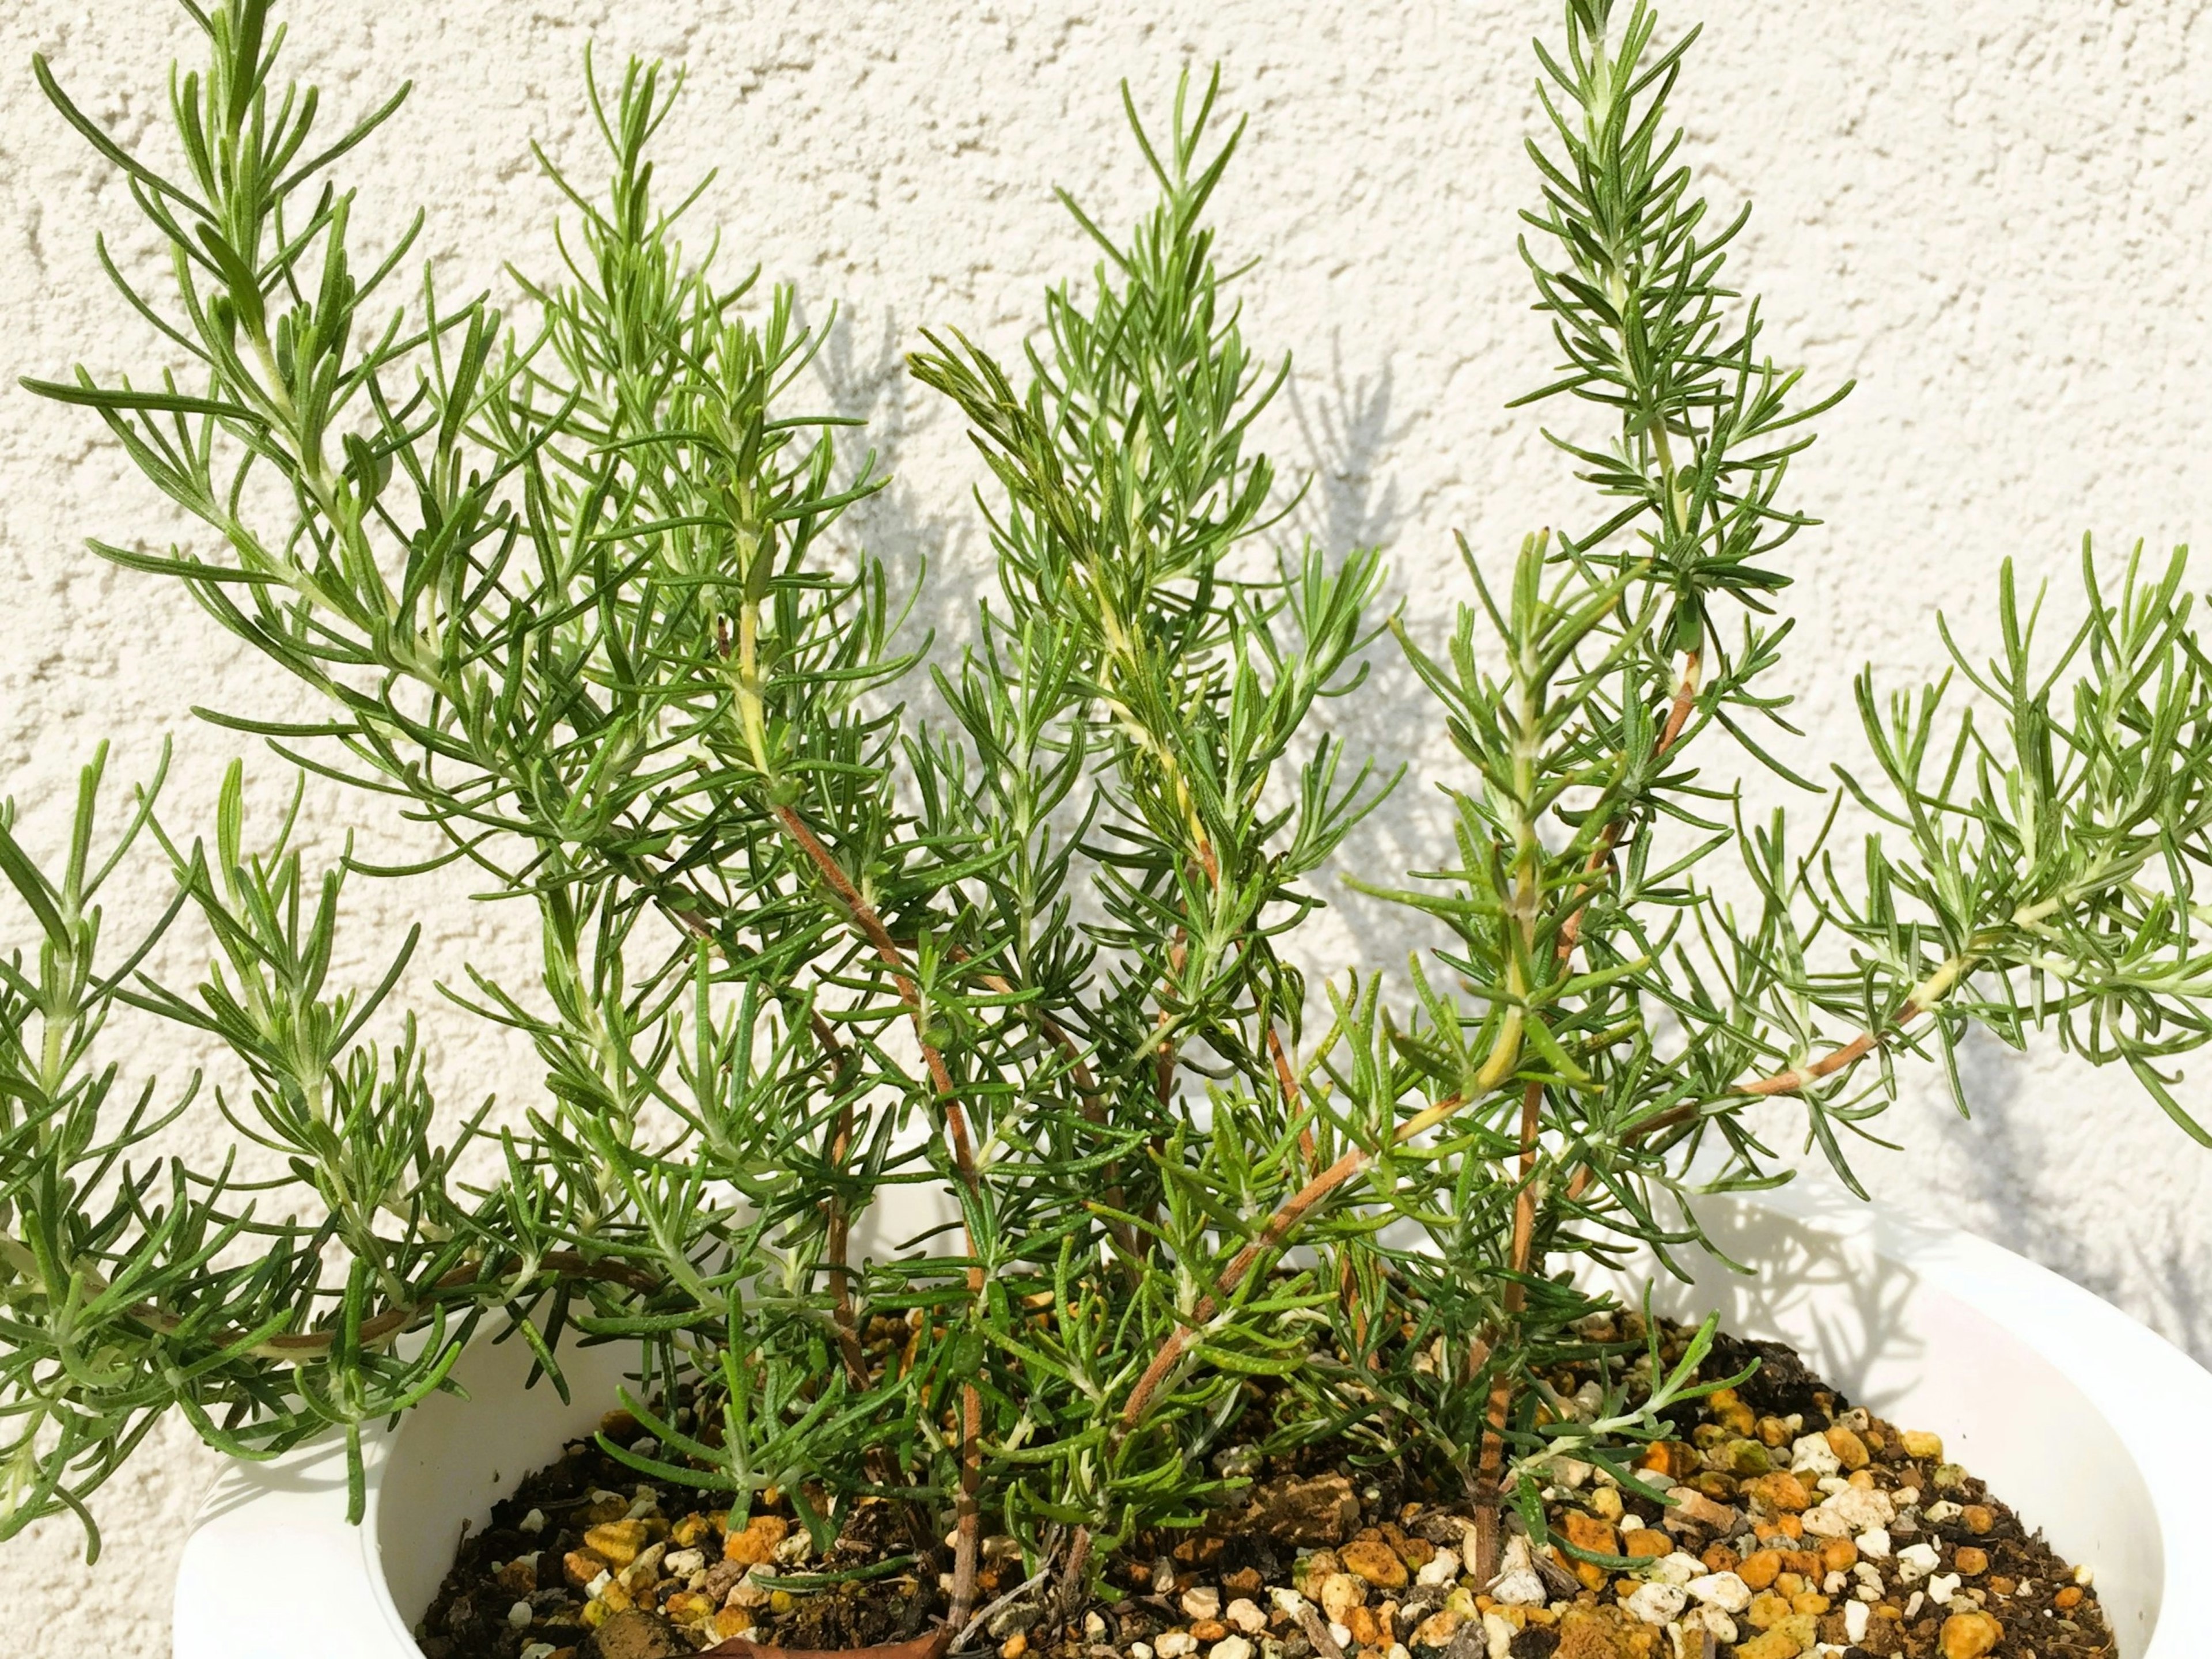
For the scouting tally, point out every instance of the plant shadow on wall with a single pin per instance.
(573, 587)
(1346, 497)
(1999, 1164)
(931, 556)
(1348, 435)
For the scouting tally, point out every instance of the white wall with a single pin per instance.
(1996, 215)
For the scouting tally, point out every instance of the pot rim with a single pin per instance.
(318, 1579)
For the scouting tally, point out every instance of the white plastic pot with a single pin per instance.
(2088, 1425)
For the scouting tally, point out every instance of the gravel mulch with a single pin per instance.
(1799, 1526)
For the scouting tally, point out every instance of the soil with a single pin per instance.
(1751, 1561)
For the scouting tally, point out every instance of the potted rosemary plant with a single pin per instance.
(951, 1217)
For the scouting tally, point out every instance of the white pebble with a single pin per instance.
(539, 1650)
(1725, 1591)
(1518, 1584)
(1094, 1626)
(1245, 1614)
(1907, 1498)
(1857, 1616)
(2085, 1576)
(1398, 1651)
(1337, 1592)
(1442, 1568)
(1860, 1508)
(644, 1570)
(518, 1616)
(598, 1587)
(533, 1522)
(682, 1564)
(1231, 1646)
(1676, 1569)
(1939, 1512)
(1874, 1542)
(1813, 1452)
(1172, 1644)
(1141, 1651)
(1831, 1484)
(1835, 1583)
(1524, 1589)
(1288, 1601)
(1917, 1561)
(1712, 1619)
(1497, 1636)
(646, 1503)
(1657, 1604)
(1239, 1463)
(1202, 1603)
(1942, 1588)
(1913, 1603)
(1340, 1634)
(1630, 1523)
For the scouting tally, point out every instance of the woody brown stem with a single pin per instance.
(1347, 1282)
(1087, 1091)
(1492, 1459)
(1279, 1227)
(1524, 1201)
(1521, 1253)
(1780, 1083)
(1286, 1079)
(836, 1243)
(1071, 1574)
(1686, 699)
(1790, 1082)
(1294, 1209)
(967, 1528)
(1677, 719)
(1489, 1472)
(837, 1227)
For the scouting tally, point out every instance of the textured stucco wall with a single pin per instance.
(1996, 215)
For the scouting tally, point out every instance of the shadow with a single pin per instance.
(932, 559)
(1347, 433)
(1348, 426)
(1824, 1289)
(2008, 1166)
(2000, 1155)
(2180, 1277)
(1937, 1329)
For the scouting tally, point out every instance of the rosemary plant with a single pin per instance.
(572, 588)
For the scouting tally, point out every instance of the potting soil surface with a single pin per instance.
(1795, 1525)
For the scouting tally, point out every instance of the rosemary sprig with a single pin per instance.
(575, 590)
